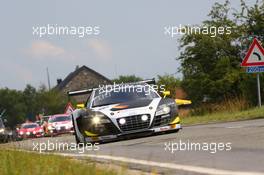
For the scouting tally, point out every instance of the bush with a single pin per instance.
(227, 105)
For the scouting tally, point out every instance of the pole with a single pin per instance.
(259, 95)
(48, 78)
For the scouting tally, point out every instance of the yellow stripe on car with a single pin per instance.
(90, 134)
(176, 120)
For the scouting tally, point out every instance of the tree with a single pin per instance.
(12, 101)
(211, 65)
(170, 83)
(29, 98)
(25, 105)
(127, 79)
(51, 102)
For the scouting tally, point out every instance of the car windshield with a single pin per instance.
(59, 119)
(26, 126)
(128, 93)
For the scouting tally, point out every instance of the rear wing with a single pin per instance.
(87, 91)
(80, 92)
(148, 81)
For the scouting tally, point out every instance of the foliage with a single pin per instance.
(25, 163)
(211, 65)
(26, 104)
(224, 116)
(170, 83)
(126, 79)
(227, 105)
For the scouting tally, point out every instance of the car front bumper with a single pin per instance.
(145, 132)
(31, 135)
(60, 131)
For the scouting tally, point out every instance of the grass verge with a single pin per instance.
(24, 163)
(253, 113)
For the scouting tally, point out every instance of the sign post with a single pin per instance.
(254, 61)
(259, 95)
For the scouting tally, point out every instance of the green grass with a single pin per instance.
(24, 163)
(253, 113)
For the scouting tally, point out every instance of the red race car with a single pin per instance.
(30, 130)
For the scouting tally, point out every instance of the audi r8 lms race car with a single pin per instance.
(111, 114)
(30, 130)
(60, 124)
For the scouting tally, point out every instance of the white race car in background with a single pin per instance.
(60, 124)
(112, 114)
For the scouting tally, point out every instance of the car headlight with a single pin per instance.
(50, 127)
(99, 119)
(21, 132)
(96, 120)
(162, 110)
(2, 130)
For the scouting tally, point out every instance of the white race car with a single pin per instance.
(132, 109)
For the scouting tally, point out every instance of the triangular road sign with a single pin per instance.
(69, 108)
(254, 56)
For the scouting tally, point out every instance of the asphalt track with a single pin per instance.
(246, 139)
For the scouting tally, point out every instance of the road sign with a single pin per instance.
(254, 56)
(255, 69)
(254, 61)
(69, 108)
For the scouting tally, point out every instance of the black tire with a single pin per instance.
(6, 139)
(75, 135)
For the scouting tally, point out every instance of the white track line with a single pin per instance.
(195, 169)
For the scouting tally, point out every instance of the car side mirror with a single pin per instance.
(80, 106)
(165, 93)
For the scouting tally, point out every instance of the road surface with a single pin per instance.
(244, 138)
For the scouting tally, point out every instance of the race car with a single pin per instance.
(30, 130)
(111, 114)
(3, 133)
(59, 124)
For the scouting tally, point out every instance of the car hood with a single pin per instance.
(136, 107)
(131, 104)
(61, 123)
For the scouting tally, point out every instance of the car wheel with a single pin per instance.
(6, 139)
(75, 135)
